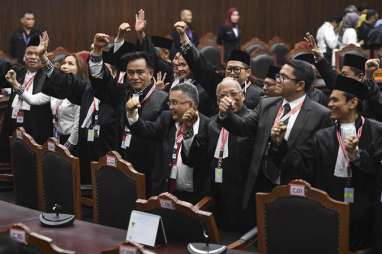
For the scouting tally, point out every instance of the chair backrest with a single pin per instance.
(61, 178)
(208, 39)
(297, 52)
(280, 51)
(212, 54)
(297, 218)
(182, 221)
(349, 49)
(260, 65)
(253, 43)
(24, 163)
(116, 187)
(34, 242)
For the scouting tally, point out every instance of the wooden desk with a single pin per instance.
(83, 237)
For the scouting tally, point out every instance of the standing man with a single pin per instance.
(186, 17)
(20, 38)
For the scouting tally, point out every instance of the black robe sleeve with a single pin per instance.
(149, 129)
(326, 72)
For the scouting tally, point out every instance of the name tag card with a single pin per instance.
(297, 190)
(19, 134)
(110, 161)
(18, 235)
(167, 204)
(51, 146)
(143, 228)
(127, 250)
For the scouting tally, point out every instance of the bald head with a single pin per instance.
(231, 89)
(186, 16)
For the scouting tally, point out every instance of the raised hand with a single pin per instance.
(225, 105)
(371, 66)
(351, 147)
(189, 118)
(278, 133)
(122, 29)
(44, 42)
(132, 105)
(159, 82)
(140, 21)
(180, 27)
(312, 44)
(11, 77)
(100, 40)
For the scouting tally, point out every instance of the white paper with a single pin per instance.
(110, 161)
(143, 228)
(51, 146)
(297, 190)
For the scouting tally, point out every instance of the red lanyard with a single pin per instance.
(341, 142)
(224, 139)
(28, 83)
(178, 142)
(289, 114)
(148, 94)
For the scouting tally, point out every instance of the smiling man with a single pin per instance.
(334, 159)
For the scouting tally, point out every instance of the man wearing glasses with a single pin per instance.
(294, 113)
(181, 165)
(238, 68)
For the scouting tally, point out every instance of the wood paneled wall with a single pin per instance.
(72, 23)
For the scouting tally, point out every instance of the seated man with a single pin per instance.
(181, 165)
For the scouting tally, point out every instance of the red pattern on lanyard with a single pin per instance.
(224, 139)
(148, 94)
(289, 114)
(342, 144)
(28, 83)
(175, 156)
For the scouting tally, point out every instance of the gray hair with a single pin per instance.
(189, 90)
(228, 80)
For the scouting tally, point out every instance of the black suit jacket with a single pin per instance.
(17, 44)
(228, 39)
(311, 118)
(163, 130)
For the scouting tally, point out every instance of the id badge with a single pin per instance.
(349, 195)
(218, 175)
(20, 117)
(97, 130)
(123, 144)
(14, 112)
(127, 140)
(91, 135)
(55, 134)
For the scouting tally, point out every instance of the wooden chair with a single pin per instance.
(5, 167)
(127, 247)
(349, 49)
(183, 222)
(116, 187)
(260, 62)
(208, 39)
(298, 51)
(24, 164)
(34, 242)
(297, 218)
(212, 54)
(60, 173)
(279, 49)
(252, 44)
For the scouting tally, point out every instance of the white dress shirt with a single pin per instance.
(349, 37)
(292, 118)
(326, 37)
(19, 103)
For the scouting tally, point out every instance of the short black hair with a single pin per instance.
(188, 89)
(132, 56)
(370, 13)
(336, 19)
(350, 96)
(302, 71)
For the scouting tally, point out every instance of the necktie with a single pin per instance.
(287, 109)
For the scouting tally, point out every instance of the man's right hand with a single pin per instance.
(100, 40)
(43, 46)
(180, 27)
(313, 45)
(278, 133)
(131, 107)
(122, 30)
(225, 105)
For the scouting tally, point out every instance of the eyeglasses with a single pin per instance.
(230, 94)
(131, 73)
(234, 69)
(176, 103)
(280, 78)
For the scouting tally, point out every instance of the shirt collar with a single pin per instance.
(295, 102)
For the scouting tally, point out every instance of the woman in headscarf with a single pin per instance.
(348, 34)
(229, 34)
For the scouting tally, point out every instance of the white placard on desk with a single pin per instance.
(143, 228)
(297, 190)
(51, 146)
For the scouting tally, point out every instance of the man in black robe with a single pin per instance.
(301, 116)
(181, 165)
(332, 160)
(231, 157)
(238, 67)
(355, 67)
(36, 120)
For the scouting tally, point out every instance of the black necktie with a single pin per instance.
(286, 111)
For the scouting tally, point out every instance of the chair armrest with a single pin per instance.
(205, 203)
(245, 240)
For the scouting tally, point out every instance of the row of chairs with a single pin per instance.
(49, 174)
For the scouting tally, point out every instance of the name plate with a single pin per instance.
(297, 190)
(110, 161)
(51, 146)
(18, 235)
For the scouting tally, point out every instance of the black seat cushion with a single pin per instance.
(58, 182)
(300, 225)
(116, 195)
(25, 174)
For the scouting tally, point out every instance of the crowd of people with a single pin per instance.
(195, 131)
